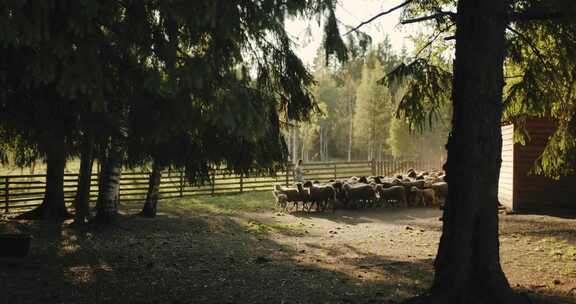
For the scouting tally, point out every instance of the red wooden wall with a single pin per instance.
(520, 189)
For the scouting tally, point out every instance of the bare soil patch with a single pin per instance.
(236, 249)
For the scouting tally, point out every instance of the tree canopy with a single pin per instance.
(196, 75)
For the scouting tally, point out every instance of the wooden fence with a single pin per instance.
(394, 166)
(19, 193)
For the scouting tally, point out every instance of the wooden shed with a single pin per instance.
(519, 190)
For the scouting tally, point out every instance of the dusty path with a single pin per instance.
(190, 254)
(538, 252)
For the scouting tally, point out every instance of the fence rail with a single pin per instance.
(19, 193)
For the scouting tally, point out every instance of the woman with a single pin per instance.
(299, 172)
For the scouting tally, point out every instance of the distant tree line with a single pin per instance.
(358, 118)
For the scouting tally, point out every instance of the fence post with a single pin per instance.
(6, 195)
(241, 182)
(373, 167)
(119, 189)
(213, 180)
(335, 171)
(181, 183)
(287, 172)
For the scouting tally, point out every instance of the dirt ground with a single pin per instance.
(237, 249)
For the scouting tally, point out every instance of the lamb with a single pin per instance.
(292, 194)
(424, 197)
(281, 200)
(393, 193)
(378, 188)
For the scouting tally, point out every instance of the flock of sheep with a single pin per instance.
(410, 190)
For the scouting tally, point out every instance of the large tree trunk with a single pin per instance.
(53, 206)
(109, 180)
(153, 194)
(82, 200)
(468, 264)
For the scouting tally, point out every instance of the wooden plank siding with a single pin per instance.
(534, 192)
(506, 181)
(519, 188)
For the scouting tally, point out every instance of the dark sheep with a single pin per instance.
(375, 179)
(388, 184)
(395, 193)
(340, 195)
(441, 190)
(355, 193)
(407, 184)
(321, 195)
(424, 197)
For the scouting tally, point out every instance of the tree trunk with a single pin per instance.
(295, 145)
(109, 189)
(468, 263)
(302, 150)
(153, 194)
(53, 206)
(350, 130)
(82, 200)
(326, 139)
(321, 150)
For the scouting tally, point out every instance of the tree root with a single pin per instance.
(43, 213)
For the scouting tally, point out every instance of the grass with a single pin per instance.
(72, 166)
(257, 227)
(221, 204)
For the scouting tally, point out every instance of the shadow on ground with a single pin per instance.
(396, 216)
(200, 258)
